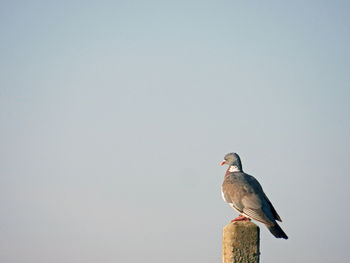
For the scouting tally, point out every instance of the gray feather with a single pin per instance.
(245, 192)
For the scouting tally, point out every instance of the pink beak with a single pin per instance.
(223, 162)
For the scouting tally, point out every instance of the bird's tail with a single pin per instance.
(277, 231)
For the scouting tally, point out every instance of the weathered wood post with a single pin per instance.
(240, 242)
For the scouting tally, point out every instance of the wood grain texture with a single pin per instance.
(240, 243)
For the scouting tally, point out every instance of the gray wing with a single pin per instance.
(257, 208)
(273, 210)
(257, 205)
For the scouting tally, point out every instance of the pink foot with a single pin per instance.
(241, 218)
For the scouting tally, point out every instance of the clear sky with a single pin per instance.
(115, 116)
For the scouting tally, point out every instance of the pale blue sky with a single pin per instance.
(115, 115)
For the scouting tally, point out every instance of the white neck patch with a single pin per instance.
(234, 168)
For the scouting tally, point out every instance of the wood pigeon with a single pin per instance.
(245, 194)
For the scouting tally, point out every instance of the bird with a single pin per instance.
(245, 195)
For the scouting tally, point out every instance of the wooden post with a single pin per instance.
(240, 243)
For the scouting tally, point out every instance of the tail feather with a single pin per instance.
(277, 231)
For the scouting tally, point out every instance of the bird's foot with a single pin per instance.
(241, 218)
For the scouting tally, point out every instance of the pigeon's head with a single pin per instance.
(232, 159)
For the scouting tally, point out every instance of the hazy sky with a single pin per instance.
(115, 116)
